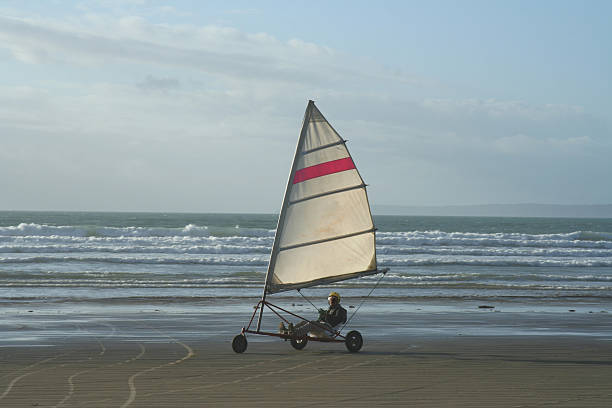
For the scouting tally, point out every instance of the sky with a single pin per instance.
(189, 106)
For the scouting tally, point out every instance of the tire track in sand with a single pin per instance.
(19, 378)
(345, 368)
(73, 376)
(71, 386)
(222, 371)
(248, 378)
(132, 379)
(35, 364)
(15, 380)
(113, 332)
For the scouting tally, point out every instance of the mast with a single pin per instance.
(281, 218)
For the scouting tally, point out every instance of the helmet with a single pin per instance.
(335, 294)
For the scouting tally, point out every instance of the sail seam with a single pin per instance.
(320, 241)
(281, 287)
(341, 190)
(323, 147)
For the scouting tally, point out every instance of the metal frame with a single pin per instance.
(336, 337)
(281, 218)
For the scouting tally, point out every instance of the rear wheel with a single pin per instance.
(239, 344)
(353, 341)
(299, 344)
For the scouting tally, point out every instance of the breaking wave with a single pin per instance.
(195, 256)
(190, 230)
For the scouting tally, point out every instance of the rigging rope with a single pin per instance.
(358, 307)
(316, 308)
(363, 301)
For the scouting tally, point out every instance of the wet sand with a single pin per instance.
(150, 361)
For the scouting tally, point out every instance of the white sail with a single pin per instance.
(325, 231)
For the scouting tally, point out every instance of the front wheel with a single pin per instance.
(239, 344)
(353, 341)
(299, 344)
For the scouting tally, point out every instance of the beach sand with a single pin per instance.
(152, 362)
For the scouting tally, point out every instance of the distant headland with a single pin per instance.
(501, 210)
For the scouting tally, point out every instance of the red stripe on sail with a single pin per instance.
(323, 169)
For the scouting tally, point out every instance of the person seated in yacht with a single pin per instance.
(324, 326)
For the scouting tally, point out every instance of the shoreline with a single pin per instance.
(32, 323)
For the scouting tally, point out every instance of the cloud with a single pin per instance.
(250, 11)
(159, 84)
(189, 110)
(86, 143)
(511, 127)
(525, 145)
(219, 51)
(501, 109)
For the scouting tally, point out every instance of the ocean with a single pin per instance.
(59, 257)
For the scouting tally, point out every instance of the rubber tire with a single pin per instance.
(239, 344)
(299, 344)
(353, 341)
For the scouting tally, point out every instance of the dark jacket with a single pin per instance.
(335, 315)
